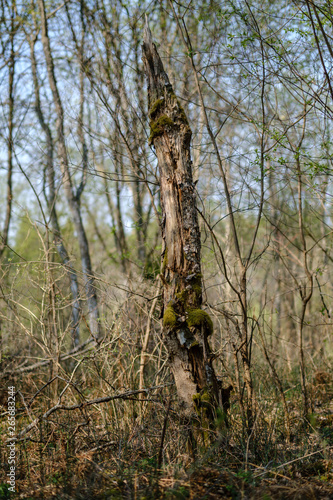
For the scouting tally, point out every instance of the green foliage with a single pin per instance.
(4, 491)
(178, 493)
(256, 108)
(221, 419)
(326, 433)
(56, 478)
(246, 476)
(111, 493)
(199, 318)
(147, 464)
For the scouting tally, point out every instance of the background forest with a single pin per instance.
(81, 315)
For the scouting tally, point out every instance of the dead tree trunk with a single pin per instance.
(186, 326)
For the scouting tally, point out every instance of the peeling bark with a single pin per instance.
(186, 326)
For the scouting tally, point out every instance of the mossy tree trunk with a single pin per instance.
(186, 326)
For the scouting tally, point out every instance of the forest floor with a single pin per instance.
(311, 482)
(119, 450)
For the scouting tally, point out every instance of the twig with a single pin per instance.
(296, 460)
(45, 362)
(160, 454)
(84, 404)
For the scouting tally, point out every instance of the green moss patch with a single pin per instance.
(169, 317)
(199, 318)
(182, 296)
(157, 127)
(201, 398)
(182, 114)
(156, 106)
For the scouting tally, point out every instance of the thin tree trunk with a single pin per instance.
(186, 326)
(305, 288)
(121, 238)
(127, 127)
(117, 226)
(305, 291)
(11, 73)
(139, 222)
(144, 355)
(51, 203)
(73, 197)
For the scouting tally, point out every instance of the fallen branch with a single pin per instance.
(295, 460)
(84, 404)
(79, 349)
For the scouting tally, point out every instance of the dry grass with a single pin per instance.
(110, 450)
(109, 446)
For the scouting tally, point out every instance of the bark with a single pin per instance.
(73, 197)
(139, 221)
(11, 73)
(186, 326)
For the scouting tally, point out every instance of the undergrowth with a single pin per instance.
(112, 450)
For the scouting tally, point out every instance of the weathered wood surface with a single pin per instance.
(186, 325)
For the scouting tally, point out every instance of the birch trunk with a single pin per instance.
(72, 195)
